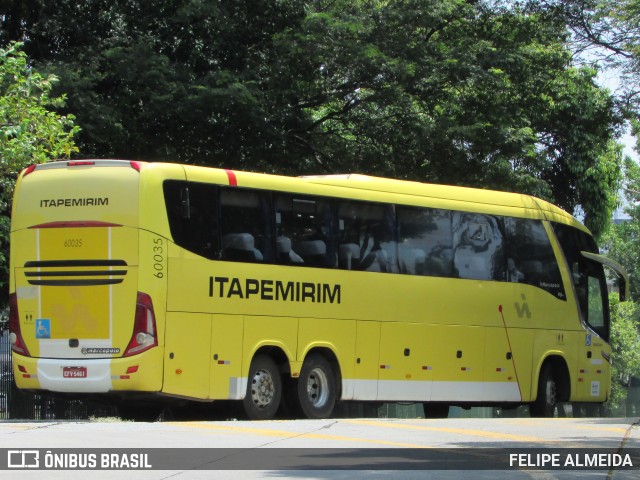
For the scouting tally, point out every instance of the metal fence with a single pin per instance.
(15, 404)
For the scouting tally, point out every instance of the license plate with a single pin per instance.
(74, 372)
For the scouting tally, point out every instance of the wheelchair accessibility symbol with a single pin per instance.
(43, 328)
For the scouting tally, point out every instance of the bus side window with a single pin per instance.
(366, 238)
(245, 232)
(424, 241)
(191, 211)
(530, 256)
(478, 250)
(304, 231)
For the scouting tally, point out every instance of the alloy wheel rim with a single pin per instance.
(318, 388)
(262, 389)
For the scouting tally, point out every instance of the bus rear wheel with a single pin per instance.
(547, 399)
(264, 389)
(317, 387)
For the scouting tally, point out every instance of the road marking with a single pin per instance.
(286, 435)
(456, 431)
(568, 423)
(601, 429)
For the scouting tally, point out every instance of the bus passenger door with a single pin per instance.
(187, 354)
(594, 368)
(226, 357)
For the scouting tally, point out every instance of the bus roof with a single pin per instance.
(445, 192)
(366, 187)
(363, 187)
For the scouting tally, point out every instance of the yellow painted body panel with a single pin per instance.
(227, 334)
(521, 340)
(81, 312)
(264, 331)
(367, 361)
(342, 341)
(187, 354)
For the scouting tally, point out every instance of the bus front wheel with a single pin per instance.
(317, 388)
(264, 389)
(547, 399)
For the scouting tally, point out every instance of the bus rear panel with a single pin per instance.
(78, 320)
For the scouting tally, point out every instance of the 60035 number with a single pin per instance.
(158, 257)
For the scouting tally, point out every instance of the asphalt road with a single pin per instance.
(475, 449)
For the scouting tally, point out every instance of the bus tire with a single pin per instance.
(317, 388)
(547, 399)
(264, 389)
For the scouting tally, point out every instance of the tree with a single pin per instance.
(622, 243)
(622, 240)
(607, 32)
(625, 354)
(458, 92)
(479, 93)
(29, 133)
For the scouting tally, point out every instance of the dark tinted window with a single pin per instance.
(304, 231)
(425, 241)
(192, 214)
(249, 225)
(245, 226)
(574, 241)
(530, 257)
(478, 249)
(366, 237)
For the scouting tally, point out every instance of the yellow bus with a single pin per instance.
(145, 284)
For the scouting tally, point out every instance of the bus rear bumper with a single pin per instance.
(78, 375)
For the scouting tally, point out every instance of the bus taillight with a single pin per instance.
(144, 328)
(15, 335)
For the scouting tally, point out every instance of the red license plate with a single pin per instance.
(74, 372)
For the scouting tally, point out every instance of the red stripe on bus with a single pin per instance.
(233, 181)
